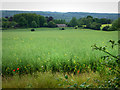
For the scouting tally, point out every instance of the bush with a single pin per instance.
(34, 24)
(32, 29)
(115, 25)
(106, 28)
(76, 27)
(62, 28)
(45, 25)
(95, 26)
(51, 24)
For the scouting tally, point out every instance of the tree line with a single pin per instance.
(32, 20)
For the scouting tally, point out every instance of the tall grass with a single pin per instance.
(51, 49)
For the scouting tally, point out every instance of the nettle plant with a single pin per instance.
(110, 63)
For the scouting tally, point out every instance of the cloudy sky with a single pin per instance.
(101, 6)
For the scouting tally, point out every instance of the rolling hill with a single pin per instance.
(62, 15)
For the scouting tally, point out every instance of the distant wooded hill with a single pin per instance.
(60, 15)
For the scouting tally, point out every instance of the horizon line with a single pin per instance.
(57, 11)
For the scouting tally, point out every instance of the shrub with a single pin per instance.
(34, 24)
(76, 27)
(111, 62)
(61, 28)
(51, 24)
(106, 28)
(32, 29)
(95, 26)
(45, 25)
(115, 25)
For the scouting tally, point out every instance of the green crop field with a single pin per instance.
(51, 49)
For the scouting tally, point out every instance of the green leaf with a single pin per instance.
(66, 76)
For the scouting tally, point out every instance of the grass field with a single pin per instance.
(51, 49)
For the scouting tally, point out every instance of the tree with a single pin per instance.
(4, 19)
(13, 24)
(22, 22)
(42, 20)
(28, 18)
(73, 22)
(80, 22)
(95, 26)
(115, 25)
(106, 28)
(45, 25)
(34, 24)
(59, 21)
(11, 19)
(51, 24)
(89, 17)
(49, 19)
(89, 21)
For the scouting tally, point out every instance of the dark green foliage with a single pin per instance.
(106, 28)
(59, 21)
(73, 22)
(76, 27)
(45, 25)
(66, 76)
(22, 22)
(8, 24)
(110, 61)
(92, 23)
(58, 15)
(102, 20)
(32, 29)
(28, 18)
(4, 19)
(41, 21)
(61, 28)
(49, 18)
(11, 19)
(5, 24)
(51, 24)
(34, 24)
(95, 26)
(89, 17)
(115, 25)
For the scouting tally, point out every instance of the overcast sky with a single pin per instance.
(101, 6)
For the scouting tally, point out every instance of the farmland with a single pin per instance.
(53, 50)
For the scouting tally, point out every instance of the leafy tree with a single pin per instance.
(106, 28)
(11, 19)
(9, 24)
(80, 22)
(4, 19)
(13, 24)
(115, 25)
(51, 24)
(59, 21)
(102, 20)
(29, 17)
(95, 26)
(73, 22)
(45, 25)
(89, 17)
(42, 20)
(22, 22)
(49, 18)
(34, 24)
(5, 24)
